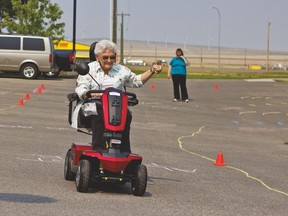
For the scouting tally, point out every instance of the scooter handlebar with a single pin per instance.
(132, 98)
(88, 93)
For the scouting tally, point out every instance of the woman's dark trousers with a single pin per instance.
(179, 82)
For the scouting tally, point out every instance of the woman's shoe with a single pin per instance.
(187, 101)
(175, 100)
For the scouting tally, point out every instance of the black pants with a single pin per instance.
(179, 81)
(97, 126)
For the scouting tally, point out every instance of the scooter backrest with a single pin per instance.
(115, 106)
(91, 52)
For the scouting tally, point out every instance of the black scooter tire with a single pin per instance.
(83, 176)
(139, 182)
(68, 175)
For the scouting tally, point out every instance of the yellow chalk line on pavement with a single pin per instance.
(192, 135)
(247, 112)
(269, 113)
(259, 180)
(237, 169)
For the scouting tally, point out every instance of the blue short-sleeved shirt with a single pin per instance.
(178, 66)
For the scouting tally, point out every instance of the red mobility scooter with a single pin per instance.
(87, 166)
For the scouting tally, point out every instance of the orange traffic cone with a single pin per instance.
(216, 87)
(27, 96)
(220, 160)
(39, 90)
(42, 86)
(20, 103)
(152, 87)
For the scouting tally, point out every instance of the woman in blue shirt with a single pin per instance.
(177, 68)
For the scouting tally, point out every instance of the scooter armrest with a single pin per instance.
(132, 99)
(133, 102)
(72, 97)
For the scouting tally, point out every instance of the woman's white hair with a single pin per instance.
(103, 45)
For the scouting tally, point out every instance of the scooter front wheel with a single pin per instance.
(83, 176)
(139, 181)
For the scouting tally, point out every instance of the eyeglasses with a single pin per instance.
(105, 58)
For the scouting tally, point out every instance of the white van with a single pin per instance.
(29, 55)
(135, 62)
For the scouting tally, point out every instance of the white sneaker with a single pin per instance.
(187, 101)
(175, 100)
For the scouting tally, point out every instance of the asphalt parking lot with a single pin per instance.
(245, 121)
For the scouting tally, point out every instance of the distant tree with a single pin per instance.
(6, 6)
(33, 17)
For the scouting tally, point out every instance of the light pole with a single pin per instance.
(219, 36)
(111, 20)
(73, 54)
(122, 37)
(74, 24)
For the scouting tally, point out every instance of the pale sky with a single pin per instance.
(244, 23)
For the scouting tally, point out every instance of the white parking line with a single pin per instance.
(16, 126)
(41, 158)
(30, 127)
(169, 168)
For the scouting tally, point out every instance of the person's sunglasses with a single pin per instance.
(105, 58)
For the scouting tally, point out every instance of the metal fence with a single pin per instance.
(202, 57)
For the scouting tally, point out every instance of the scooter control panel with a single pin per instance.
(115, 108)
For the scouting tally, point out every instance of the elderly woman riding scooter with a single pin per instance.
(107, 73)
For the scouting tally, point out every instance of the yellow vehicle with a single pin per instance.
(254, 67)
(64, 56)
(68, 45)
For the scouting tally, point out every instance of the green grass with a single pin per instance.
(236, 75)
(213, 74)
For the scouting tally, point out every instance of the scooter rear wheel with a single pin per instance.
(83, 176)
(139, 182)
(68, 175)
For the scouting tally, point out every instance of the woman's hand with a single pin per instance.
(149, 73)
(169, 72)
(96, 95)
(93, 95)
(156, 69)
(185, 60)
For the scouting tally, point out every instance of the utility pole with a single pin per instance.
(156, 55)
(122, 36)
(268, 47)
(114, 35)
(245, 57)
